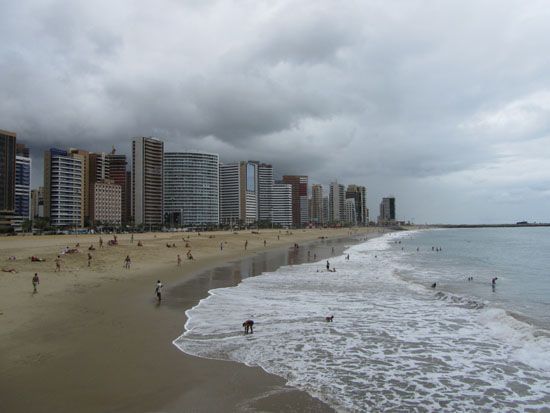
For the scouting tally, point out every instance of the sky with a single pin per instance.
(443, 104)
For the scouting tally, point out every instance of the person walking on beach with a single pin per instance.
(221, 246)
(58, 264)
(265, 243)
(100, 242)
(179, 261)
(248, 326)
(127, 262)
(35, 282)
(158, 291)
(89, 259)
(245, 245)
(132, 239)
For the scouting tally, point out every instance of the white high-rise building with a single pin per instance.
(63, 188)
(282, 204)
(265, 190)
(147, 181)
(23, 166)
(350, 216)
(336, 202)
(107, 206)
(191, 189)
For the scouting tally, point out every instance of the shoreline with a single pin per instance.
(97, 346)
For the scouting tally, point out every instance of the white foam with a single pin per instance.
(390, 346)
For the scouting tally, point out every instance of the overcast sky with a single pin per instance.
(444, 104)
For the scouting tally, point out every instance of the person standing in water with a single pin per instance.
(248, 326)
(328, 266)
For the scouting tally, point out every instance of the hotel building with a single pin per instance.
(63, 188)
(147, 181)
(107, 206)
(7, 179)
(359, 195)
(22, 186)
(282, 205)
(336, 203)
(191, 189)
(317, 204)
(239, 193)
(300, 210)
(387, 211)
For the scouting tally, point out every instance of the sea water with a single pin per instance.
(396, 343)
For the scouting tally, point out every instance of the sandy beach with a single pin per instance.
(94, 339)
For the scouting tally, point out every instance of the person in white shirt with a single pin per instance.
(158, 290)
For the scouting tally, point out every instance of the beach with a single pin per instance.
(95, 339)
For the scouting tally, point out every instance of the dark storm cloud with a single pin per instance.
(444, 105)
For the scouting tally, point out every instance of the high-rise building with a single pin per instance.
(265, 191)
(22, 186)
(107, 206)
(116, 170)
(326, 209)
(336, 203)
(37, 203)
(7, 179)
(239, 193)
(300, 212)
(63, 188)
(282, 205)
(359, 195)
(191, 189)
(147, 181)
(387, 211)
(317, 204)
(350, 216)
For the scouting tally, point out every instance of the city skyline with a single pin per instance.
(444, 111)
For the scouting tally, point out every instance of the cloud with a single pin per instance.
(440, 105)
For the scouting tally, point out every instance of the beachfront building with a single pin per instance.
(359, 195)
(350, 216)
(239, 193)
(22, 210)
(387, 211)
(63, 188)
(191, 189)
(282, 205)
(116, 170)
(326, 209)
(265, 192)
(316, 214)
(107, 206)
(37, 203)
(7, 179)
(300, 202)
(336, 203)
(147, 181)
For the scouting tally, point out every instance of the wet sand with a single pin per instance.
(106, 346)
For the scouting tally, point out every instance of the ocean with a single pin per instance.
(396, 343)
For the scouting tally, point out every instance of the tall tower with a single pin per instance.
(7, 178)
(23, 166)
(115, 169)
(63, 188)
(239, 193)
(147, 181)
(265, 192)
(191, 189)
(317, 204)
(300, 213)
(359, 195)
(336, 203)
